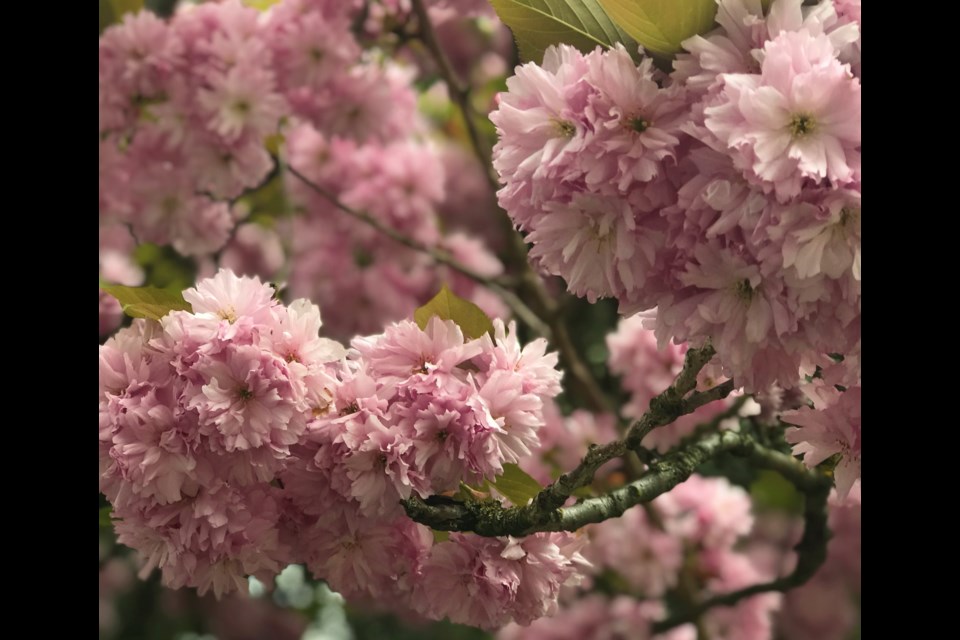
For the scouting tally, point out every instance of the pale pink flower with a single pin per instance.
(823, 237)
(229, 297)
(404, 349)
(248, 399)
(377, 556)
(636, 122)
(831, 427)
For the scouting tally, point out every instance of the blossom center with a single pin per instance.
(638, 124)
(229, 314)
(241, 107)
(245, 393)
(744, 290)
(849, 216)
(564, 128)
(801, 125)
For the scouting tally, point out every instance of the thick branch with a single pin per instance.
(489, 518)
(544, 513)
(811, 550)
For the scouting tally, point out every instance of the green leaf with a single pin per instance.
(516, 485)
(661, 25)
(105, 520)
(771, 491)
(448, 306)
(147, 302)
(537, 24)
(440, 536)
(112, 11)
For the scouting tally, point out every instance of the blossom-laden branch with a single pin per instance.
(488, 518)
(544, 512)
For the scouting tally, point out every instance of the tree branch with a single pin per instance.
(544, 512)
(459, 91)
(582, 381)
(489, 518)
(811, 550)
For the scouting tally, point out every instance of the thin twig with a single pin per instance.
(459, 91)
(517, 306)
(582, 381)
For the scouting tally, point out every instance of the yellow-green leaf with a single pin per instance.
(106, 520)
(771, 491)
(516, 485)
(147, 302)
(448, 306)
(262, 5)
(112, 11)
(661, 25)
(440, 536)
(537, 24)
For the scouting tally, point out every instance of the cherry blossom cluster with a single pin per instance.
(725, 194)
(234, 440)
(420, 412)
(198, 414)
(187, 105)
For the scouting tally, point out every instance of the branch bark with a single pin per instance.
(489, 518)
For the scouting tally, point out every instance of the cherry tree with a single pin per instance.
(572, 355)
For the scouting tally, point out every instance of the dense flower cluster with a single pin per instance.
(197, 415)
(233, 440)
(189, 109)
(726, 194)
